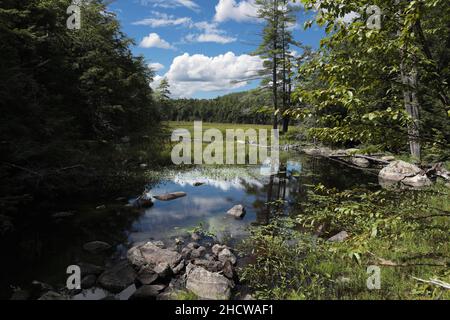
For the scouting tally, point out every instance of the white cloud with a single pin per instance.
(211, 37)
(190, 74)
(153, 40)
(156, 66)
(163, 20)
(245, 10)
(190, 4)
(209, 33)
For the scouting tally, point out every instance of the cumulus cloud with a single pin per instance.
(244, 10)
(156, 66)
(153, 40)
(190, 74)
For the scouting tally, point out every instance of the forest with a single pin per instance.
(87, 176)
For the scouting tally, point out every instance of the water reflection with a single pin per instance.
(45, 248)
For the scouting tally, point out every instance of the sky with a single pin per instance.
(203, 47)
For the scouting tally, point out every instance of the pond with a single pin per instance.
(45, 249)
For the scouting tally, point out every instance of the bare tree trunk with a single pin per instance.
(411, 101)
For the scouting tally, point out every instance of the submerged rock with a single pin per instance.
(96, 246)
(118, 278)
(237, 211)
(206, 284)
(170, 196)
(146, 276)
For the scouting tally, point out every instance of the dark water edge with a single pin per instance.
(44, 247)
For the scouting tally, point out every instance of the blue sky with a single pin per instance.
(203, 47)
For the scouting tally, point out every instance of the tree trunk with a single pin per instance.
(411, 101)
(275, 63)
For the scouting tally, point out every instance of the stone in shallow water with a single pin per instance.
(170, 196)
(237, 211)
(207, 285)
(118, 278)
(96, 246)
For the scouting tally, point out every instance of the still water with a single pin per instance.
(45, 249)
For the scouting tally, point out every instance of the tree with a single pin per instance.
(373, 84)
(163, 91)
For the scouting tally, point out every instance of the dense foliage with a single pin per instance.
(242, 107)
(384, 87)
(74, 103)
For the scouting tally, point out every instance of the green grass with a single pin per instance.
(406, 234)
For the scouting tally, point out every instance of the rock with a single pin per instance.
(198, 184)
(170, 196)
(88, 282)
(102, 207)
(196, 236)
(64, 214)
(147, 292)
(340, 237)
(178, 268)
(388, 158)
(237, 211)
(52, 295)
(198, 253)
(217, 248)
(143, 203)
(207, 285)
(118, 278)
(152, 255)
(248, 297)
(178, 241)
(146, 276)
(90, 269)
(96, 246)
(398, 170)
(186, 253)
(317, 151)
(403, 173)
(193, 245)
(210, 265)
(38, 288)
(143, 166)
(226, 255)
(360, 162)
(228, 270)
(20, 295)
(417, 181)
(163, 270)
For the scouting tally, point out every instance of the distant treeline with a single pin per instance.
(242, 107)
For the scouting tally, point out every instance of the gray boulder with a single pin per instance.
(170, 196)
(207, 285)
(340, 237)
(226, 255)
(151, 255)
(360, 162)
(118, 278)
(404, 173)
(237, 211)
